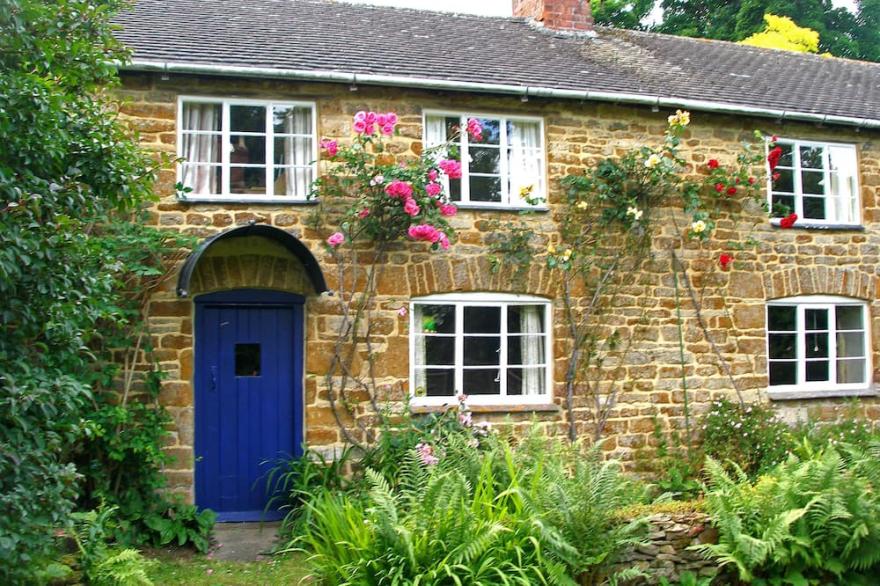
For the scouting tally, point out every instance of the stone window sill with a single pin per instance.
(276, 201)
(521, 408)
(806, 225)
(499, 208)
(818, 394)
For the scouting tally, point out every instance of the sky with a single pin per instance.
(497, 7)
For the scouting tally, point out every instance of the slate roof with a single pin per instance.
(324, 36)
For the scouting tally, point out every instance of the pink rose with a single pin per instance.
(359, 126)
(475, 129)
(411, 207)
(433, 174)
(364, 213)
(335, 239)
(392, 118)
(330, 147)
(424, 232)
(447, 209)
(388, 130)
(399, 188)
(360, 116)
(370, 118)
(402, 312)
(451, 168)
(369, 129)
(443, 240)
(381, 119)
(433, 189)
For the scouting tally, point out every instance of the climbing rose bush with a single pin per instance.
(375, 194)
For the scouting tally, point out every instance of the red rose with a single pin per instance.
(725, 260)
(774, 138)
(713, 163)
(719, 187)
(751, 180)
(788, 221)
(773, 157)
(731, 190)
(775, 176)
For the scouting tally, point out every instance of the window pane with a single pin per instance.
(785, 181)
(814, 208)
(850, 371)
(202, 179)
(849, 317)
(785, 160)
(485, 189)
(485, 160)
(482, 351)
(491, 132)
(850, 344)
(201, 148)
(249, 150)
(293, 181)
(781, 318)
(526, 381)
(811, 157)
(249, 180)
(453, 125)
(482, 382)
(439, 382)
(205, 117)
(247, 360)
(813, 182)
(435, 318)
(455, 189)
(817, 345)
(293, 151)
(782, 205)
(292, 120)
(525, 350)
(783, 345)
(435, 350)
(817, 371)
(783, 373)
(525, 319)
(816, 319)
(482, 320)
(247, 118)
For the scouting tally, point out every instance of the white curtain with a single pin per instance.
(421, 352)
(298, 152)
(532, 349)
(525, 160)
(435, 131)
(843, 181)
(201, 148)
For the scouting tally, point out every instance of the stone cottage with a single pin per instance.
(243, 91)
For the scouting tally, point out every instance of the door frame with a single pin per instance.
(257, 298)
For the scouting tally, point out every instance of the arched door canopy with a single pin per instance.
(286, 239)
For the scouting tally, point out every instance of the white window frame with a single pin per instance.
(225, 103)
(797, 180)
(819, 388)
(508, 200)
(460, 301)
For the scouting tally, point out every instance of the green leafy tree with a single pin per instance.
(629, 14)
(73, 185)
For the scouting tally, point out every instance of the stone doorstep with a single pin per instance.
(244, 542)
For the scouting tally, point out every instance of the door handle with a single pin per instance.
(213, 378)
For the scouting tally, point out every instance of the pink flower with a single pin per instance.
(464, 419)
(370, 129)
(447, 209)
(388, 130)
(381, 119)
(462, 398)
(370, 118)
(424, 232)
(330, 147)
(360, 116)
(426, 454)
(359, 126)
(377, 180)
(402, 312)
(364, 213)
(443, 240)
(433, 174)
(399, 188)
(391, 117)
(433, 189)
(475, 129)
(411, 207)
(451, 168)
(335, 239)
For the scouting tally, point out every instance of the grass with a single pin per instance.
(197, 570)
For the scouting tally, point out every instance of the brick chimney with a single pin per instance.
(573, 16)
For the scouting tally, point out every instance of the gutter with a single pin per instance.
(492, 88)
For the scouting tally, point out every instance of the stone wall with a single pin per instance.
(786, 262)
(665, 553)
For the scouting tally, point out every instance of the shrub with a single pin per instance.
(814, 520)
(99, 561)
(749, 436)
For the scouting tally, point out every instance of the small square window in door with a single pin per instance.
(247, 359)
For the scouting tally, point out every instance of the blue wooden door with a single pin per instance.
(248, 397)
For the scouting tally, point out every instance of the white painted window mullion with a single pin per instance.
(502, 354)
(832, 345)
(225, 144)
(503, 153)
(459, 349)
(270, 151)
(465, 160)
